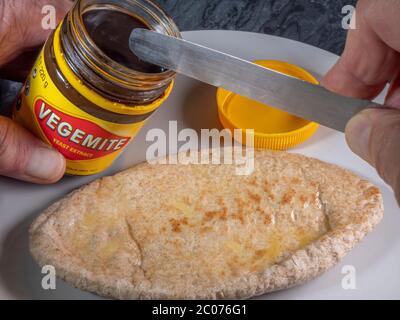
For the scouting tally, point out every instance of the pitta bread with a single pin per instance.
(202, 232)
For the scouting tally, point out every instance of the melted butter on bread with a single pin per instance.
(202, 232)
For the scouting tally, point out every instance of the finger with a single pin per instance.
(375, 136)
(21, 25)
(34, 33)
(393, 96)
(24, 157)
(371, 57)
(19, 68)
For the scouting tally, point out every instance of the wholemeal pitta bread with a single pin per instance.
(202, 232)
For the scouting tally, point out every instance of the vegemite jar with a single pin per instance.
(88, 95)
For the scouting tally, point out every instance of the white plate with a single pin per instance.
(376, 260)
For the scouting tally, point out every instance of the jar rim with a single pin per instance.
(166, 22)
(90, 62)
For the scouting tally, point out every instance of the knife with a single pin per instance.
(297, 97)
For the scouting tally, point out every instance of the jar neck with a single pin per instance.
(99, 71)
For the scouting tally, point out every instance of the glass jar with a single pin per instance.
(88, 95)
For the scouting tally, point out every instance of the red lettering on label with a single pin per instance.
(75, 138)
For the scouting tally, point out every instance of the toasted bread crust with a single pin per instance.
(129, 267)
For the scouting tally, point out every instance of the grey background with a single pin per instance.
(316, 22)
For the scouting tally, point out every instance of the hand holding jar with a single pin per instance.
(22, 156)
(87, 95)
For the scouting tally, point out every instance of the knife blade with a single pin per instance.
(297, 97)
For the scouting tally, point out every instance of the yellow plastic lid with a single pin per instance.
(274, 129)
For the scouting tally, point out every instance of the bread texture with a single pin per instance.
(203, 232)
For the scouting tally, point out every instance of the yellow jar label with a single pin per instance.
(89, 144)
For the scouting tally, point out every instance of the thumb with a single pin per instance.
(24, 157)
(374, 134)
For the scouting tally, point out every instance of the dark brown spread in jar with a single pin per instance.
(110, 31)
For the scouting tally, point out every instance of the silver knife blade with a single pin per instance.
(297, 97)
